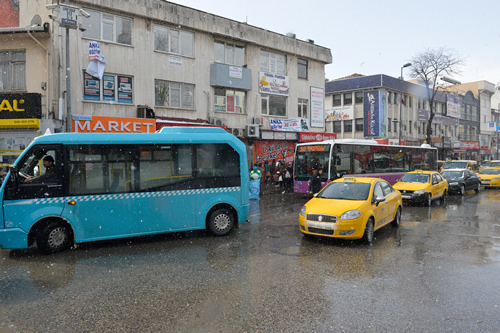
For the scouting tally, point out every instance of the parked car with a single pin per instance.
(490, 177)
(422, 186)
(461, 164)
(461, 180)
(351, 208)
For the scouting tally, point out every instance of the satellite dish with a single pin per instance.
(36, 21)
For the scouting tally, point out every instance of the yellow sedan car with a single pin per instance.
(422, 186)
(351, 208)
(490, 177)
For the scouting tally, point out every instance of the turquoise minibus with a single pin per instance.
(79, 187)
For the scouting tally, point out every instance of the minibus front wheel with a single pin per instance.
(53, 237)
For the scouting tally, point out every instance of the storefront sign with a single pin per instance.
(313, 137)
(96, 124)
(275, 84)
(16, 106)
(235, 72)
(317, 107)
(469, 145)
(290, 125)
(20, 123)
(439, 119)
(274, 150)
(339, 113)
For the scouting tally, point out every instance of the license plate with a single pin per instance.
(406, 196)
(323, 226)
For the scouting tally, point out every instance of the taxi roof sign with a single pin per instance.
(418, 171)
(349, 179)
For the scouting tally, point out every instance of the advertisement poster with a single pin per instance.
(108, 89)
(339, 113)
(125, 89)
(371, 113)
(290, 125)
(452, 106)
(274, 150)
(91, 88)
(275, 84)
(317, 107)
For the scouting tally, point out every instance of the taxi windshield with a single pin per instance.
(495, 164)
(415, 178)
(346, 191)
(490, 172)
(452, 174)
(455, 165)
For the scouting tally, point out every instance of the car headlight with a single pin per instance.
(303, 211)
(350, 215)
(419, 192)
(496, 179)
(454, 183)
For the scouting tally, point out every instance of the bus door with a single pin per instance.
(101, 186)
(35, 187)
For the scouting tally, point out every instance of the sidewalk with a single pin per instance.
(270, 188)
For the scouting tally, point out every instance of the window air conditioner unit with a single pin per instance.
(238, 132)
(256, 121)
(252, 131)
(217, 121)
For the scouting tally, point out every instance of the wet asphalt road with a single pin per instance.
(440, 271)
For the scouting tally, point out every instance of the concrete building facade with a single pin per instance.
(171, 63)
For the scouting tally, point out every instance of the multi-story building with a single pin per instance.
(353, 103)
(174, 64)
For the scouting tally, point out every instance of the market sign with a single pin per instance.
(20, 106)
(97, 124)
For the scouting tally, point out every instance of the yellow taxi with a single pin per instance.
(494, 163)
(351, 208)
(490, 177)
(422, 186)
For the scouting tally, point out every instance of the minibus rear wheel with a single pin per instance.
(53, 237)
(221, 222)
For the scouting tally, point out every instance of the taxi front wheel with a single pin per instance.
(368, 235)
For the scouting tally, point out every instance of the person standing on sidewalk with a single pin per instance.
(316, 181)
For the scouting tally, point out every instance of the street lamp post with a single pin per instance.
(401, 102)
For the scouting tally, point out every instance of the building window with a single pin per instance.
(409, 124)
(348, 126)
(302, 68)
(348, 98)
(229, 54)
(302, 108)
(272, 63)
(358, 97)
(389, 97)
(337, 126)
(174, 94)
(273, 105)
(227, 100)
(107, 27)
(12, 70)
(410, 101)
(337, 99)
(174, 41)
(389, 125)
(112, 88)
(358, 124)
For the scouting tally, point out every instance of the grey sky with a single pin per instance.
(374, 37)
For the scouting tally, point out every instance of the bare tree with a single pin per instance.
(429, 66)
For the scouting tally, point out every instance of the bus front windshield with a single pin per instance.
(455, 165)
(310, 158)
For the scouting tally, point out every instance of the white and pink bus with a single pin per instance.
(357, 157)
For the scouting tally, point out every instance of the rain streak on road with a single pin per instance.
(437, 272)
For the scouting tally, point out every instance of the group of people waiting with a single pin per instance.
(276, 173)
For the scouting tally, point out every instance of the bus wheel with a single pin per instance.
(369, 229)
(53, 237)
(221, 222)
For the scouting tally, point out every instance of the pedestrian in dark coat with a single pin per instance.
(316, 182)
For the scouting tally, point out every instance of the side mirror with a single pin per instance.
(379, 199)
